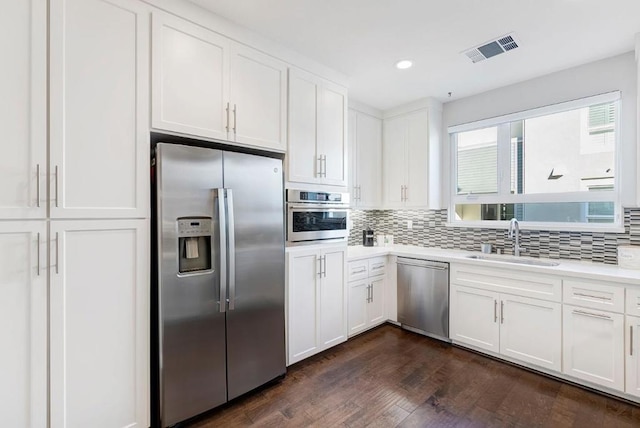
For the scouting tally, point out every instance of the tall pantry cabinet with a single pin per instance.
(73, 213)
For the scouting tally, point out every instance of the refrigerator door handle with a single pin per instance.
(231, 249)
(222, 244)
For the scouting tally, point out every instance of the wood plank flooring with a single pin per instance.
(389, 377)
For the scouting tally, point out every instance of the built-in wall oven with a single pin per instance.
(316, 216)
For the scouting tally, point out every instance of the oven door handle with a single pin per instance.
(308, 209)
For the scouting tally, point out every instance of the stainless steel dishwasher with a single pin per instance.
(423, 297)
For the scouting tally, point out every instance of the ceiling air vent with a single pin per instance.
(494, 47)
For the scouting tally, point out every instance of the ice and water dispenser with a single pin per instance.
(194, 244)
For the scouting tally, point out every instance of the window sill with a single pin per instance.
(562, 227)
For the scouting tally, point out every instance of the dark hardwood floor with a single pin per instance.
(390, 377)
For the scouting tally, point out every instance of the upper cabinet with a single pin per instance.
(411, 153)
(99, 134)
(23, 85)
(365, 156)
(317, 152)
(206, 85)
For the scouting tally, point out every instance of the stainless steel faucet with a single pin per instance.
(514, 233)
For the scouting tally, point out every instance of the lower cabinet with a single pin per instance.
(85, 285)
(99, 323)
(23, 324)
(593, 346)
(632, 351)
(366, 304)
(316, 300)
(518, 327)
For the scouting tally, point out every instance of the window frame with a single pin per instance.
(503, 195)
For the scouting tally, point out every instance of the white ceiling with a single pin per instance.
(364, 38)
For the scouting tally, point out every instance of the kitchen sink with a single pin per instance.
(516, 260)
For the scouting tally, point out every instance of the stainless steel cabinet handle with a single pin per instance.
(38, 253)
(501, 311)
(371, 287)
(406, 198)
(57, 252)
(319, 173)
(495, 311)
(589, 314)
(401, 193)
(323, 165)
(231, 236)
(38, 188)
(592, 296)
(355, 193)
(320, 266)
(631, 340)
(235, 119)
(324, 267)
(56, 172)
(359, 270)
(222, 222)
(227, 127)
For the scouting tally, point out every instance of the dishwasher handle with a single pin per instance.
(423, 263)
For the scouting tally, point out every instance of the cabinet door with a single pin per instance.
(531, 331)
(23, 324)
(375, 309)
(303, 270)
(303, 164)
(332, 134)
(417, 159)
(190, 67)
(258, 94)
(333, 309)
(99, 323)
(632, 348)
(353, 162)
(358, 306)
(394, 155)
(593, 346)
(99, 142)
(474, 318)
(23, 85)
(369, 161)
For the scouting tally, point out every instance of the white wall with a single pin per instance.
(616, 73)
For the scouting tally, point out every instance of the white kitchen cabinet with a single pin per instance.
(593, 346)
(316, 300)
(99, 135)
(411, 147)
(23, 85)
(258, 96)
(530, 331)
(632, 348)
(190, 78)
(518, 327)
(99, 322)
(23, 324)
(209, 86)
(406, 140)
(365, 155)
(317, 150)
(474, 318)
(366, 294)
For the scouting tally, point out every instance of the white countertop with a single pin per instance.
(586, 270)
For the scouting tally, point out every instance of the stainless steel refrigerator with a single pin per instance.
(219, 285)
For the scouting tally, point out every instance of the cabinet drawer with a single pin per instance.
(358, 270)
(377, 266)
(524, 284)
(593, 295)
(633, 301)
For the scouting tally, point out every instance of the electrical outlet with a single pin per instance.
(409, 224)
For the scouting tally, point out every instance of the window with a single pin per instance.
(551, 167)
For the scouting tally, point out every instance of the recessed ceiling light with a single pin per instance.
(404, 64)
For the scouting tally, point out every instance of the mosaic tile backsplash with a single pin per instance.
(430, 230)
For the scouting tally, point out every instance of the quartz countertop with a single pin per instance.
(567, 268)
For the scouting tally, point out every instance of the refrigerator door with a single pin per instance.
(255, 319)
(191, 319)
